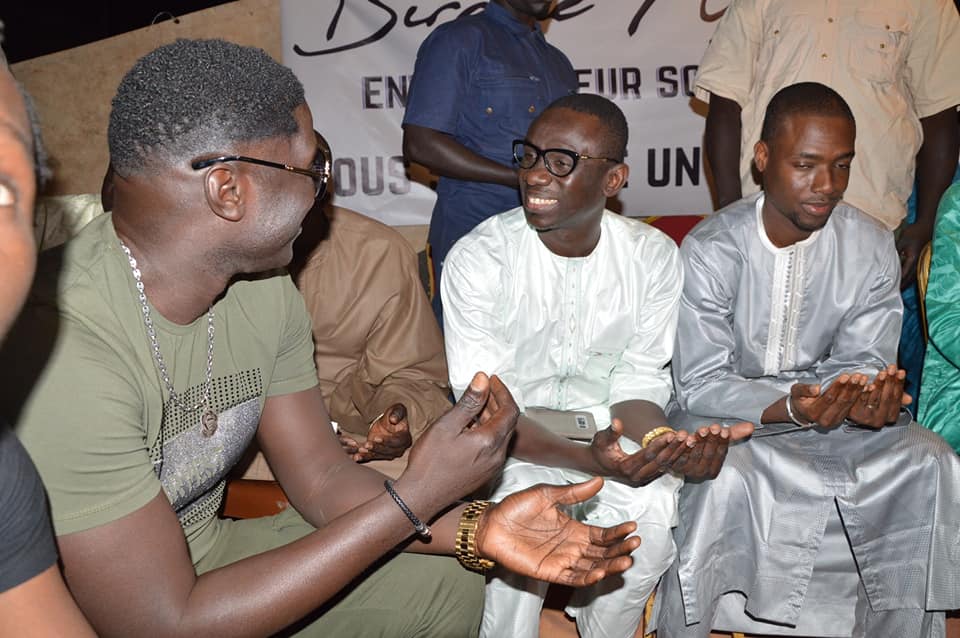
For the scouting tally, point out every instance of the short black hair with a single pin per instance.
(193, 97)
(804, 98)
(609, 114)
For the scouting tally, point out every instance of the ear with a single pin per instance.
(224, 190)
(761, 153)
(615, 179)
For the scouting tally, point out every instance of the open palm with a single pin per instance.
(528, 533)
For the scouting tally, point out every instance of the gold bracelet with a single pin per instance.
(465, 547)
(654, 433)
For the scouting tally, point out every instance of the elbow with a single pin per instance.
(413, 150)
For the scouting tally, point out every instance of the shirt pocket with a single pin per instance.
(506, 106)
(784, 45)
(600, 363)
(878, 43)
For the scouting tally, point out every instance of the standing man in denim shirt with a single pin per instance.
(478, 83)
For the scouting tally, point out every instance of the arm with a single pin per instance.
(725, 79)
(640, 383)
(867, 337)
(706, 379)
(402, 359)
(862, 346)
(443, 76)
(936, 164)
(930, 72)
(473, 286)
(536, 444)
(42, 607)
(33, 598)
(264, 593)
(445, 156)
(707, 382)
(721, 142)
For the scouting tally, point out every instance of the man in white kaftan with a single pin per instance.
(574, 308)
(840, 516)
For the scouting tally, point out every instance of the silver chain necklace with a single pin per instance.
(208, 419)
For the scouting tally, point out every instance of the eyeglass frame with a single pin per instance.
(541, 154)
(320, 177)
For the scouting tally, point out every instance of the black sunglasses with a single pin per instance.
(559, 162)
(319, 170)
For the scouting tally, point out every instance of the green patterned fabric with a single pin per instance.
(940, 389)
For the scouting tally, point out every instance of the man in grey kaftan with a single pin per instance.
(782, 289)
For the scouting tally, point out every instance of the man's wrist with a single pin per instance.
(425, 506)
(471, 535)
(374, 421)
(793, 416)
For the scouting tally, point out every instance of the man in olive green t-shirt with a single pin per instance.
(152, 352)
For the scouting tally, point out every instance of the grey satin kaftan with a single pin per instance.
(781, 531)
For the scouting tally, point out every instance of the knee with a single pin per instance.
(657, 548)
(458, 595)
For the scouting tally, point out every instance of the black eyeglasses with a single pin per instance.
(559, 162)
(319, 170)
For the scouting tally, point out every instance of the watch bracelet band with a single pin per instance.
(465, 545)
(793, 416)
(418, 525)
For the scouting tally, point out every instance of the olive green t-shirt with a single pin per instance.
(86, 397)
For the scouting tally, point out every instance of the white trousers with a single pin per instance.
(613, 608)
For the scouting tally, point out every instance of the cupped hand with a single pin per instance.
(349, 445)
(529, 534)
(642, 466)
(707, 449)
(464, 448)
(388, 438)
(880, 403)
(829, 408)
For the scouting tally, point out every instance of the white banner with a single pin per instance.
(355, 58)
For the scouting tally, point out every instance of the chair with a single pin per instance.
(923, 277)
(250, 498)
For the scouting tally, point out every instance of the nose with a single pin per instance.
(536, 174)
(824, 181)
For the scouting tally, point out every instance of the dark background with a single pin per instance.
(36, 28)
(33, 28)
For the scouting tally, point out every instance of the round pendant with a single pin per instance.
(208, 422)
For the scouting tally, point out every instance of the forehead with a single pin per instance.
(16, 150)
(564, 128)
(826, 135)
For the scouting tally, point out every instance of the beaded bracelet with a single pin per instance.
(418, 525)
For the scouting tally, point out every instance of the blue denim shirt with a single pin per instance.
(482, 79)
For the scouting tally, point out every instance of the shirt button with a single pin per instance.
(823, 56)
(883, 46)
(888, 27)
(532, 108)
(776, 32)
(830, 20)
(489, 110)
